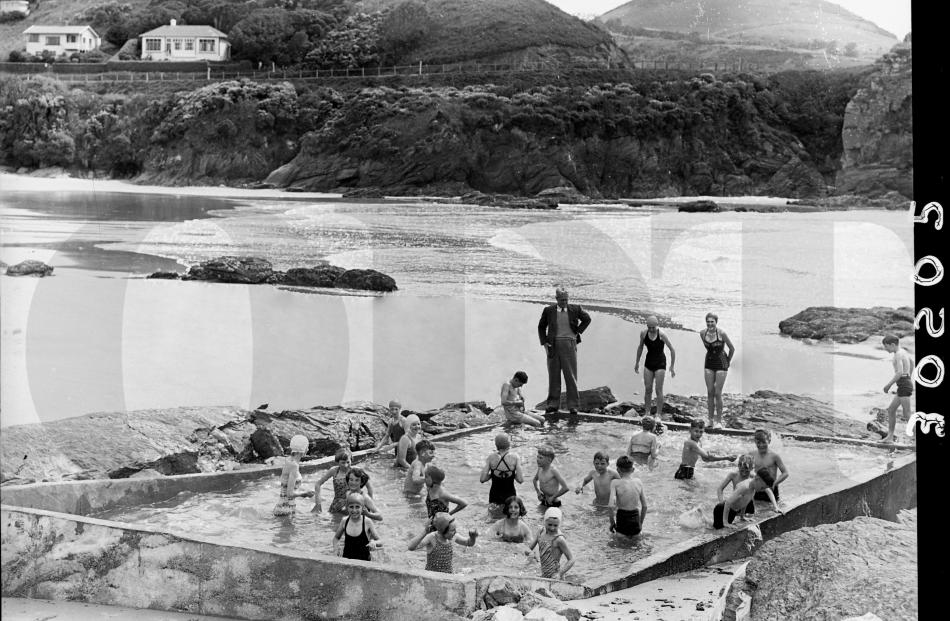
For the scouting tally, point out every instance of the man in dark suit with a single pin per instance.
(560, 331)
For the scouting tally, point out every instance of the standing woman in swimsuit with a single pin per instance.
(717, 366)
(654, 366)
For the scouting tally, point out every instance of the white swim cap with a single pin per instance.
(299, 444)
(553, 512)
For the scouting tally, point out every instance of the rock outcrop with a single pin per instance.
(835, 571)
(877, 135)
(699, 207)
(255, 270)
(848, 325)
(591, 400)
(29, 268)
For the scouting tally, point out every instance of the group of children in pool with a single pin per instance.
(756, 478)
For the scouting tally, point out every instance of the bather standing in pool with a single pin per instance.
(503, 469)
(763, 457)
(654, 366)
(290, 478)
(406, 449)
(511, 528)
(693, 452)
(716, 366)
(631, 503)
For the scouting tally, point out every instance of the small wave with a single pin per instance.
(506, 239)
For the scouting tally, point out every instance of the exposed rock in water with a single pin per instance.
(564, 194)
(593, 399)
(835, 571)
(877, 134)
(848, 325)
(29, 268)
(319, 276)
(699, 207)
(164, 275)
(367, 280)
(230, 269)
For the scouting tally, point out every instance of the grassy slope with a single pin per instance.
(780, 21)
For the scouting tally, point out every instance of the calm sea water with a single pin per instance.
(98, 336)
(243, 516)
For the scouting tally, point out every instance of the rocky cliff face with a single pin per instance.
(701, 136)
(877, 135)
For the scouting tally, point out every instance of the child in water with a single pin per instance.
(359, 535)
(551, 545)
(438, 543)
(631, 503)
(356, 480)
(548, 482)
(438, 499)
(396, 428)
(290, 478)
(742, 496)
(743, 472)
(644, 445)
(512, 528)
(338, 474)
(766, 458)
(406, 448)
(416, 477)
(601, 475)
(692, 451)
(503, 469)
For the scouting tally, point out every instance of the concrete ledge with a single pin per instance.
(877, 495)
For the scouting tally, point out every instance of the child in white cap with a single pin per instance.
(290, 477)
(438, 543)
(551, 545)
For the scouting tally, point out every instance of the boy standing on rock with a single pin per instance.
(905, 385)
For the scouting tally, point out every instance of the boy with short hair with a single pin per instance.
(768, 459)
(512, 401)
(742, 496)
(644, 445)
(692, 451)
(601, 475)
(903, 365)
(631, 503)
(416, 477)
(548, 482)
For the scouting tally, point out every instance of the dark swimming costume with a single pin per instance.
(905, 387)
(655, 359)
(628, 522)
(436, 505)
(715, 355)
(502, 483)
(396, 431)
(355, 546)
(410, 450)
(718, 510)
(553, 503)
(684, 472)
(763, 496)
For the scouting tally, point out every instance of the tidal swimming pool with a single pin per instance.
(242, 515)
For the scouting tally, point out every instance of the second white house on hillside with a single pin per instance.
(61, 39)
(174, 42)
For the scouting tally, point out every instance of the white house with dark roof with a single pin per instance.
(15, 6)
(61, 39)
(185, 43)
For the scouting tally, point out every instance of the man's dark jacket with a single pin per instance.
(547, 328)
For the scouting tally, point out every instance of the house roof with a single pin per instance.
(184, 31)
(58, 30)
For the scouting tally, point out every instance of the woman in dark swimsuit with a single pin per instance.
(716, 367)
(654, 366)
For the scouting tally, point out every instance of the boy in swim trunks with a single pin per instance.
(905, 386)
(548, 482)
(416, 477)
(601, 475)
(692, 451)
(631, 503)
(742, 496)
(737, 476)
(513, 401)
(768, 459)
(644, 445)
(503, 469)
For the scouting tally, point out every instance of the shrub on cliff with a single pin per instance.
(278, 36)
(353, 43)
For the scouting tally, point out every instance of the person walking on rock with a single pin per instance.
(560, 332)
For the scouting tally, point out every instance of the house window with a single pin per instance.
(153, 45)
(70, 38)
(190, 45)
(177, 44)
(52, 40)
(34, 38)
(206, 45)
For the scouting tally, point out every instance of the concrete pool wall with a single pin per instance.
(52, 550)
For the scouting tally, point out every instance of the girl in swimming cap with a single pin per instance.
(438, 543)
(551, 545)
(290, 478)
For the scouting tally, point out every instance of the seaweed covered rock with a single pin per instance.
(367, 280)
(848, 325)
(29, 267)
(319, 276)
(231, 269)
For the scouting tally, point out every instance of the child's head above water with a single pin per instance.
(552, 518)
(647, 423)
(357, 476)
(545, 454)
(354, 503)
(502, 442)
(762, 438)
(624, 464)
(601, 461)
(444, 524)
(412, 424)
(434, 475)
(696, 428)
(514, 507)
(425, 450)
(299, 444)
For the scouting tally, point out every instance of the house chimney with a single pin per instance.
(174, 22)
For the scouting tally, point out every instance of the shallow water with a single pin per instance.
(242, 515)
